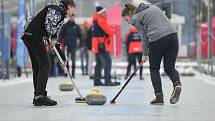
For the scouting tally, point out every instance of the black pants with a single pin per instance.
(72, 53)
(132, 61)
(40, 64)
(103, 60)
(54, 65)
(84, 60)
(167, 48)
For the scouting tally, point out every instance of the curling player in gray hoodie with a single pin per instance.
(159, 39)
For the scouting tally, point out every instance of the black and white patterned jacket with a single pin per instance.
(47, 23)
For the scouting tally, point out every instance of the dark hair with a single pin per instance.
(69, 2)
(128, 10)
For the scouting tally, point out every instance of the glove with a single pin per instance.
(52, 43)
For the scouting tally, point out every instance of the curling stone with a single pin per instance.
(96, 98)
(188, 71)
(66, 86)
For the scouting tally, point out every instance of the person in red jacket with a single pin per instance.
(134, 50)
(101, 33)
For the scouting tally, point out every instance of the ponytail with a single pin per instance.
(128, 10)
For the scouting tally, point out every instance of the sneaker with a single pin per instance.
(41, 100)
(158, 100)
(176, 93)
(112, 83)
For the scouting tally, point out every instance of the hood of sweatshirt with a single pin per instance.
(58, 3)
(141, 7)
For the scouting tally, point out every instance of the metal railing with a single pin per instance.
(207, 65)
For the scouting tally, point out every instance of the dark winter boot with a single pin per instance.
(158, 100)
(176, 92)
(110, 83)
(98, 83)
(41, 100)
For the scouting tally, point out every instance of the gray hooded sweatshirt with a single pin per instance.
(152, 24)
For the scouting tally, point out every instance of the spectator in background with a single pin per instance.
(101, 33)
(84, 53)
(71, 33)
(134, 51)
(91, 55)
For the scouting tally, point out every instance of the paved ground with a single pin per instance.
(197, 102)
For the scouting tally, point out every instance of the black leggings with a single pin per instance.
(40, 64)
(167, 48)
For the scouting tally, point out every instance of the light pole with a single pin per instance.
(210, 61)
(3, 63)
(199, 19)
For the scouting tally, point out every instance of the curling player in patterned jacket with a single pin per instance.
(44, 27)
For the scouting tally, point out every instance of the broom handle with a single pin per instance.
(129, 79)
(66, 71)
